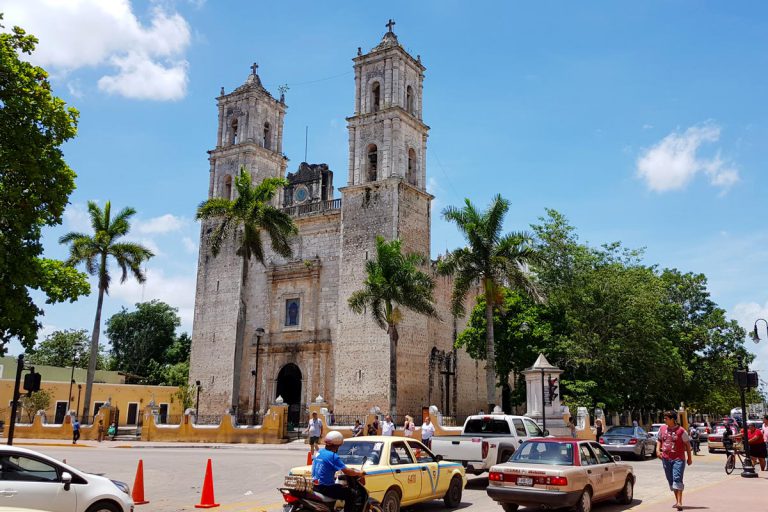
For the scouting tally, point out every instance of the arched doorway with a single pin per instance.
(289, 387)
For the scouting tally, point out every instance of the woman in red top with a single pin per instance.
(756, 446)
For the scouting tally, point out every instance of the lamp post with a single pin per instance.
(79, 389)
(255, 373)
(197, 403)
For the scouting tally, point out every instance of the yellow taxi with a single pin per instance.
(400, 471)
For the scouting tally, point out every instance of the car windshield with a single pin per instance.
(358, 451)
(544, 452)
(655, 428)
(621, 431)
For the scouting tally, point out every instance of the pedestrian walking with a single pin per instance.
(598, 429)
(409, 426)
(756, 446)
(314, 430)
(387, 426)
(674, 449)
(101, 430)
(75, 431)
(693, 433)
(373, 428)
(427, 432)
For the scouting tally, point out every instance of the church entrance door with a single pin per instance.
(289, 387)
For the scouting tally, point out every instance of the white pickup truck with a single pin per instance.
(486, 440)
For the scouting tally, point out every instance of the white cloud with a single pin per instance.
(167, 223)
(189, 244)
(673, 162)
(177, 291)
(75, 34)
(76, 218)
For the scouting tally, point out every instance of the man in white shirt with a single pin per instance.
(387, 427)
(427, 431)
(314, 430)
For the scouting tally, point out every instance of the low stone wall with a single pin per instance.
(273, 430)
(39, 430)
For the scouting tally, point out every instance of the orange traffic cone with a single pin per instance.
(309, 458)
(207, 500)
(138, 486)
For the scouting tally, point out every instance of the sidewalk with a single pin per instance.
(734, 493)
(299, 445)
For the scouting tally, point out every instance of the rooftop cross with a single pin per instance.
(390, 25)
(255, 68)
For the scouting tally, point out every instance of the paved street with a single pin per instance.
(246, 476)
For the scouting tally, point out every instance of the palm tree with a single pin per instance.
(493, 259)
(393, 281)
(93, 250)
(249, 214)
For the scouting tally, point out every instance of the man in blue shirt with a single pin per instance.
(324, 469)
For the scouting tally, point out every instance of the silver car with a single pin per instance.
(629, 441)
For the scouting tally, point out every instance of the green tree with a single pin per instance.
(144, 341)
(249, 215)
(63, 348)
(94, 252)
(37, 401)
(393, 282)
(35, 184)
(492, 258)
(186, 395)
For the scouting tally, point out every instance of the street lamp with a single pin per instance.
(197, 403)
(746, 379)
(255, 372)
(79, 389)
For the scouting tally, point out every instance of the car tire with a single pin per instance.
(391, 501)
(710, 450)
(627, 493)
(510, 507)
(104, 506)
(452, 498)
(585, 502)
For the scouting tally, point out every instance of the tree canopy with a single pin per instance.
(64, 348)
(35, 184)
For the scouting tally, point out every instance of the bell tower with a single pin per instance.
(385, 195)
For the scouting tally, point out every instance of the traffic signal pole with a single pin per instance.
(16, 397)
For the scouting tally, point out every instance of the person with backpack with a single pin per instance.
(693, 433)
(673, 446)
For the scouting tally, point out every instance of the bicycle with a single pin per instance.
(730, 461)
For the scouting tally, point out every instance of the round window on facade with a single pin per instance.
(301, 194)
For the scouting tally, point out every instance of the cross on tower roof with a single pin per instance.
(255, 68)
(390, 24)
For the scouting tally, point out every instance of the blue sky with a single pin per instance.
(643, 122)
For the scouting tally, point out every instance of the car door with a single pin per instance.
(28, 482)
(433, 483)
(596, 473)
(406, 471)
(613, 479)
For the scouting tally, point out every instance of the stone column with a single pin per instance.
(536, 406)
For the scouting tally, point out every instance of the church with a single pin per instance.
(284, 329)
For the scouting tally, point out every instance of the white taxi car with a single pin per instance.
(29, 479)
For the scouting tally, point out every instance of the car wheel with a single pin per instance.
(104, 506)
(627, 493)
(710, 450)
(452, 498)
(510, 507)
(391, 501)
(585, 502)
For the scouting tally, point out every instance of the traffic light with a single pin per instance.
(552, 390)
(32, 382)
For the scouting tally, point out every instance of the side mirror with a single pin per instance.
(616, 458)
(438, 458)
(66, 479)
(545, 433)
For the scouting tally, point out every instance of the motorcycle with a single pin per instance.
(299, 495)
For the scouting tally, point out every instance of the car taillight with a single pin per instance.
(485, 449)
(494, 476)
(555, 480)
(602, 440)
(633, 441)
(706, 430)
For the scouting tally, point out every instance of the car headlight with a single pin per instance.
(122, 486)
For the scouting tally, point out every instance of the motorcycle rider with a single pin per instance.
(324, 469)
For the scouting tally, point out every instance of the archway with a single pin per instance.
(289, 387)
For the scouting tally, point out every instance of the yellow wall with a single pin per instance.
(120, 396)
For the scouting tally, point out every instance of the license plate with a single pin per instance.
(614, 442)
(525, 481)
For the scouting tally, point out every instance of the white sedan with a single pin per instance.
(29, 479)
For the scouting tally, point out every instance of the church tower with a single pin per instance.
(249, 135)
(385, 195)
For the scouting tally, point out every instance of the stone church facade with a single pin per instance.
(284, 328)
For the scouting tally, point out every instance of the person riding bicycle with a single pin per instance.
(324, 469)
(727, 440)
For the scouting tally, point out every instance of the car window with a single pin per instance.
(620, 431)
(519, 427)
(420, 452)
(640, 431)
(486, 425)
(25, 469)
(544, 452)
(603, 456)
(587, 457)
(533, 429)
(399, 454)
